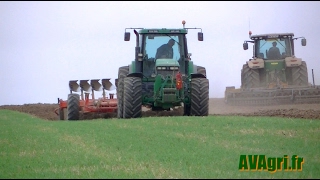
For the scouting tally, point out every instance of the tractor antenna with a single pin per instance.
(249, 29)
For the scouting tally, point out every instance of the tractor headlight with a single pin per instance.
(167, 68)
(161, 68)
(174, 68)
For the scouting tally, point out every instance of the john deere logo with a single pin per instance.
(275, 63)
(271, 164)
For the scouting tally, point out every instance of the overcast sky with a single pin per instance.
(43, 45)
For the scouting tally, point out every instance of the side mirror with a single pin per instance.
(127, 36)
(303, 42)
(245, 46)
(200, 36)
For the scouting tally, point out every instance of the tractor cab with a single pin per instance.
(159, 50)
(163, 52)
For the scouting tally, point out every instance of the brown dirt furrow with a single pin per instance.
(217, 107)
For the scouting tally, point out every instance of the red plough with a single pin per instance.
(81, 104)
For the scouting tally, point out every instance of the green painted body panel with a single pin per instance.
(274, 65)
(157, 86)
(165, 93)
(133, 67)
(190, 67)
(167, 62)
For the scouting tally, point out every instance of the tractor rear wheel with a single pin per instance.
(249, 77)
(73, 107)
(199, 97)
(122, 73)
(201, 70)
(132, 102)
(300, 75)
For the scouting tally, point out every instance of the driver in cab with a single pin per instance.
(165, 51)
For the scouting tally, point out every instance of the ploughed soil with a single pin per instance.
(217, 106)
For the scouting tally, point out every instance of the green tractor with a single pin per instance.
(274, 75)
(162, 78)
(274, 63)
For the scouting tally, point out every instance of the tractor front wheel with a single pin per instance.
(199, 104)
(122, 73)
(73, 107)
(132, 102)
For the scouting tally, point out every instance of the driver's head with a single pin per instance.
(274, 43)
(171, 42)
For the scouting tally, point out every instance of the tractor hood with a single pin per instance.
(167, 62)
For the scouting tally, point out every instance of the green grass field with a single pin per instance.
(154, 147)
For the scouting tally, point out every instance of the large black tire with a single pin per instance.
(73, 107)
(122, 73)
(199, 97)
(250, 78)
(201, 70)
(132, 104)
(300, 75)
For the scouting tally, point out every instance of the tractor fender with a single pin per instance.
(194, 69)
(132, 67)
(140, 75)
(293, 61)
(255, 63)
(196, 75)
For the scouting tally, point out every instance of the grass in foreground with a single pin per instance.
(155, 147)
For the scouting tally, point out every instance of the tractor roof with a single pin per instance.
(163, 30)
(271, 35)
